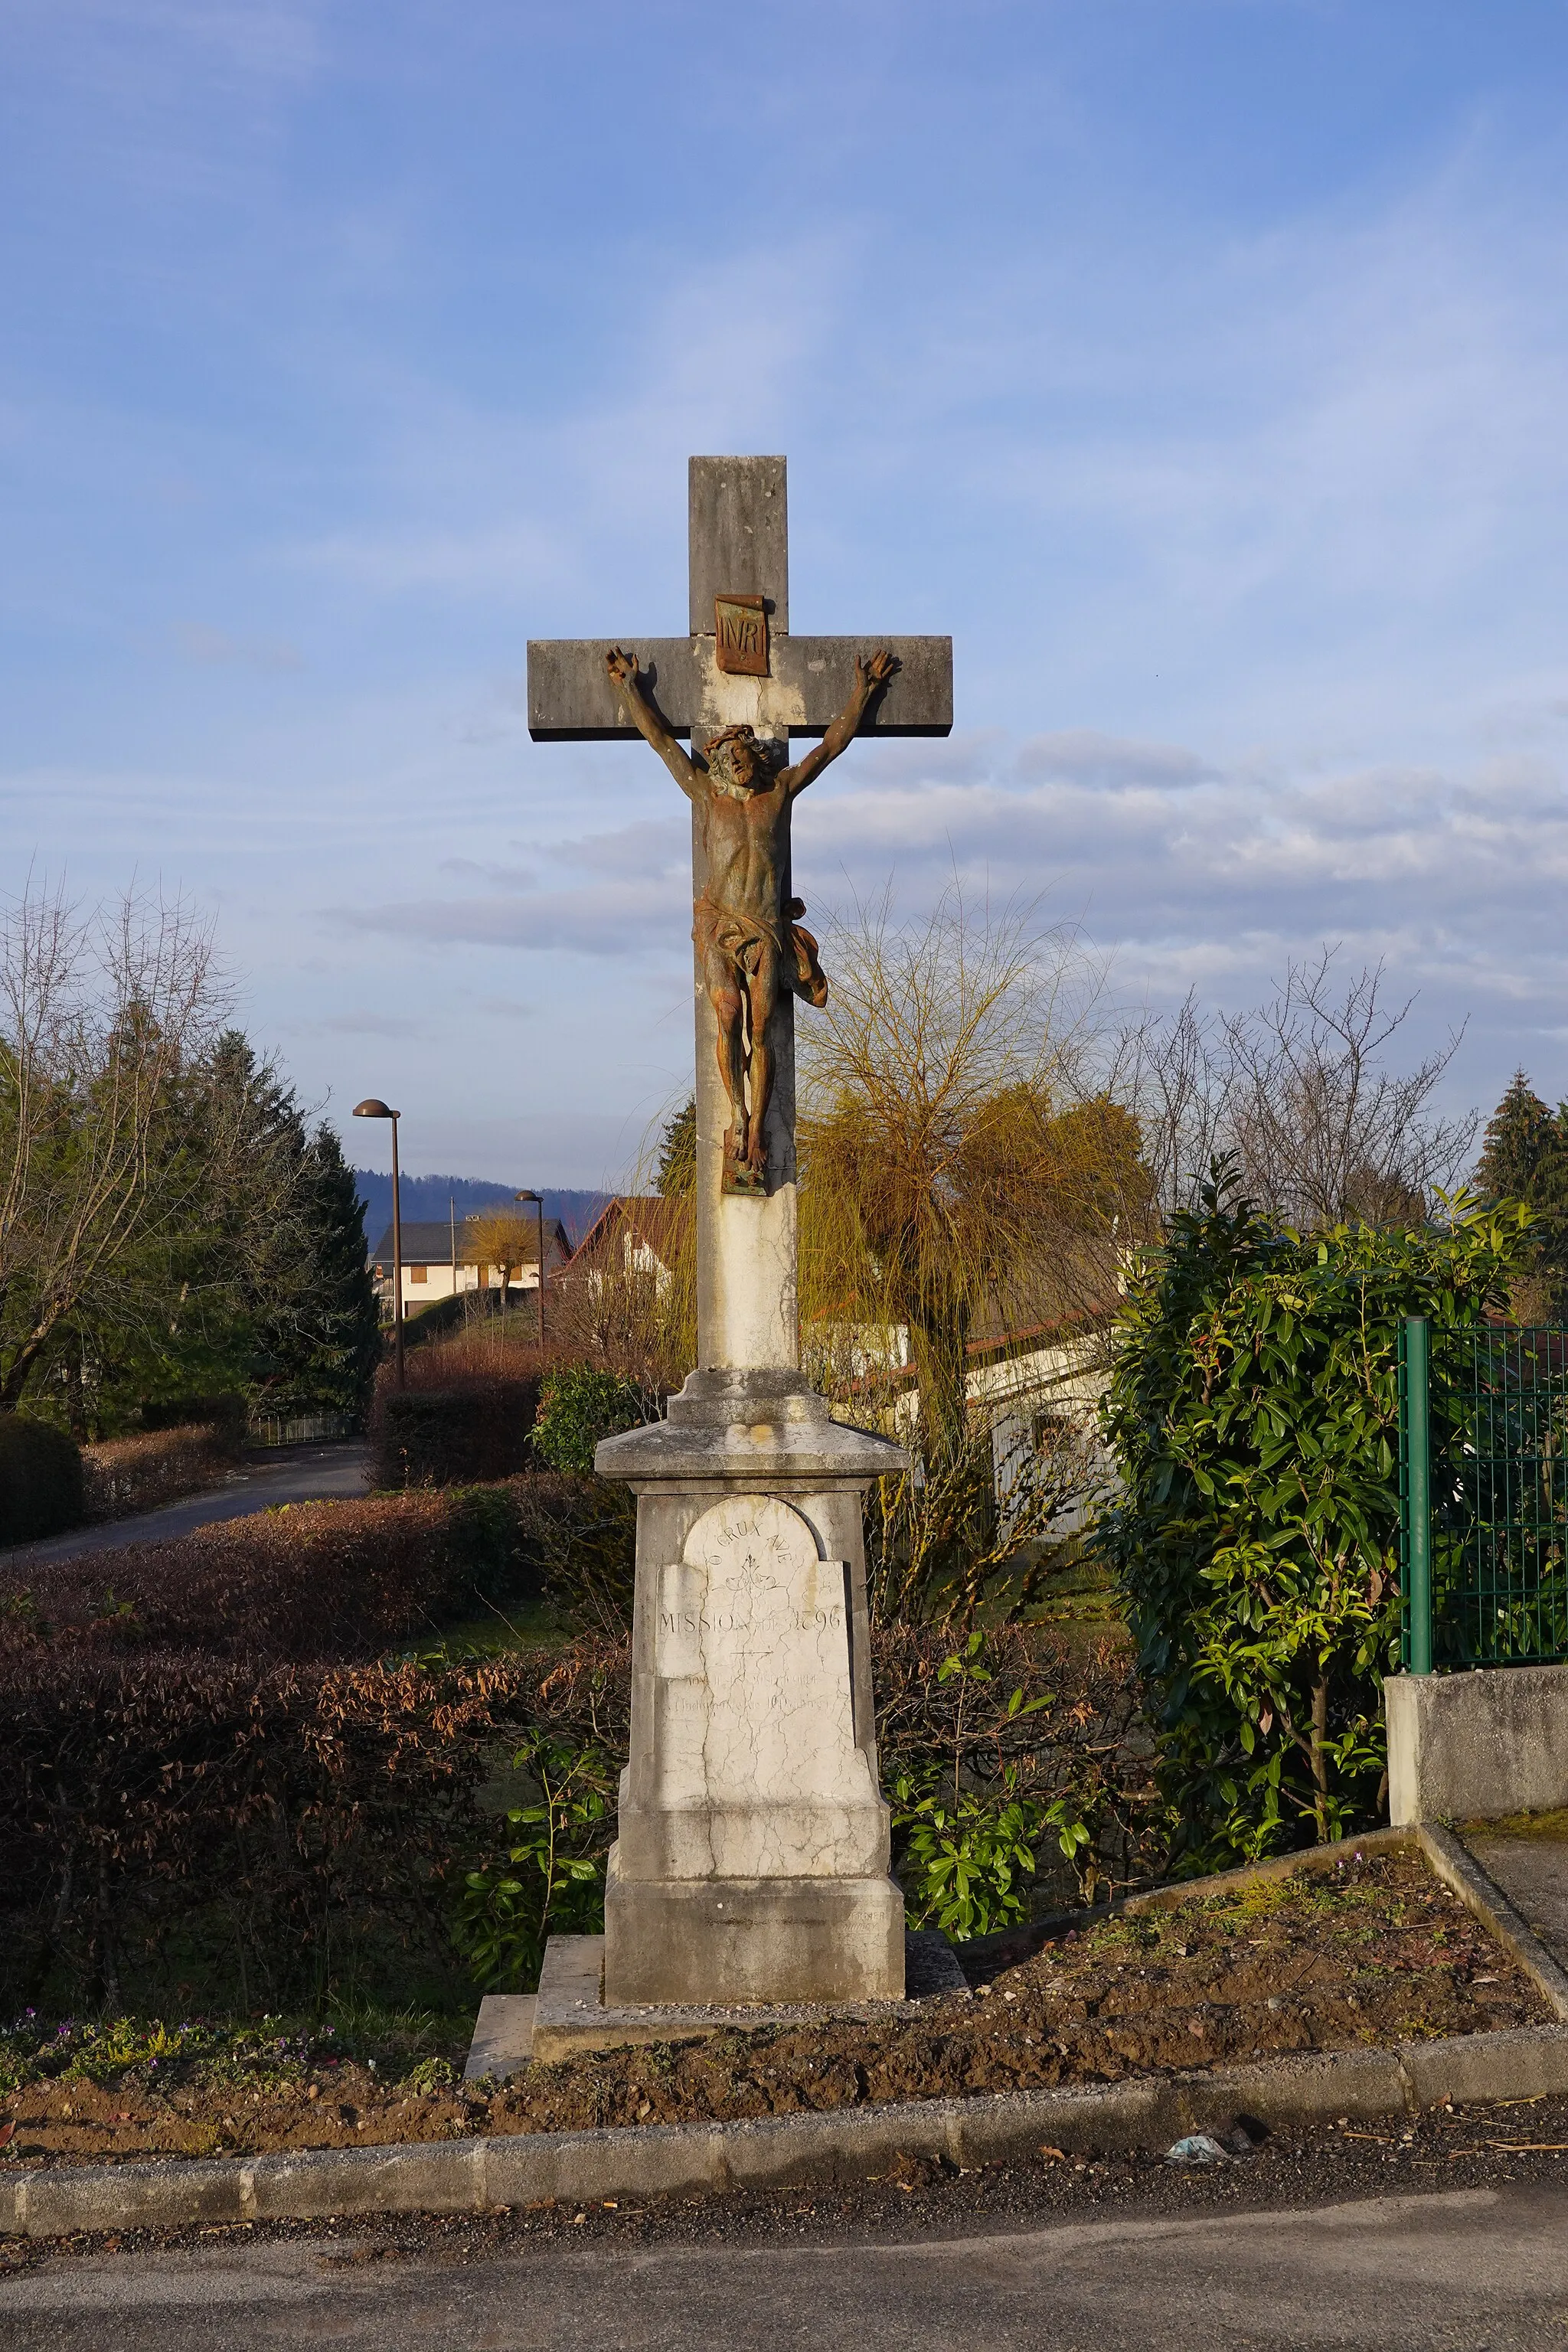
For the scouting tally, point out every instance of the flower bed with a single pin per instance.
(1375, 1953)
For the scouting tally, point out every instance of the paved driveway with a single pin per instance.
(1470, 2268)
(291, 1474)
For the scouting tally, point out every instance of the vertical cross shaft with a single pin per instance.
(747, 1304)
(738, 536)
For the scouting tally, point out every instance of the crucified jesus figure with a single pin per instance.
(748, 947)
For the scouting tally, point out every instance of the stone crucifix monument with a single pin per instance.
(752, 1864)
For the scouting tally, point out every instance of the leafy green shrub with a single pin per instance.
(577, 1407)
(553, 1881)
(1252, 1407)
(967, 1861)
(40, 1480)
(476, 1429)
(967, 1843)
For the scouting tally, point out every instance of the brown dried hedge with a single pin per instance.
(256, 1827)
(261, 1831)
(474, 1428)
(310, 1581)
(124, 1475)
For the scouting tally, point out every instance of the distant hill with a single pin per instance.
(427, 1196)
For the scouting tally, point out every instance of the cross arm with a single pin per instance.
(571, 701)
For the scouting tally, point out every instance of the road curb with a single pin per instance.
(783, 2151)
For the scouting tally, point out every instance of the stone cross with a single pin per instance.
(740, 668)
(752, 1861)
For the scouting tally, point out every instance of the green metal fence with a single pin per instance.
(1483, 1496)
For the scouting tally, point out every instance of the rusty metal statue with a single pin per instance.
(747, 946)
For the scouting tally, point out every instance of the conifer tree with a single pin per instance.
(337, 1340)
(677, 1152)
(1524, 1156)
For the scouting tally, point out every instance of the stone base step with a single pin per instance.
(567, 2014)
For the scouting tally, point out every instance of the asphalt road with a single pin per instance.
(1463, 2268)
(291, 1474)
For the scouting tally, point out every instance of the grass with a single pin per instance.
(421, 2048)
(1545, 1826)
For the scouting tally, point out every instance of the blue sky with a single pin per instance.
(1202, 368)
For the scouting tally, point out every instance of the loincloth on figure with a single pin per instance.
(740, 937)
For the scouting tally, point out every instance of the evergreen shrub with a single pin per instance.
(227, 1412)
(40, 1480)
(1253, 1409)
(579, 1405)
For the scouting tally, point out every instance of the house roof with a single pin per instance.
(660, 1224)
(428, 1241)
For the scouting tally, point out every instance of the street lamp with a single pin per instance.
(538, 1201)
(373, 1107)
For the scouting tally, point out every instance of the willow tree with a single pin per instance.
(964, 1170)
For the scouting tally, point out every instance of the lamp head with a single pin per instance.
(373, 1107)
(527, 1196)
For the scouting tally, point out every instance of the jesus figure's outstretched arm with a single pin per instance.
(870, 677)
(623, 673)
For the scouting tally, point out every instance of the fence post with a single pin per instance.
(1418, 1492)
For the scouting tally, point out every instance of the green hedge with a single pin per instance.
(40, 1480)
(1253, 1409)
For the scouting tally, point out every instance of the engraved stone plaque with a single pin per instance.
(752, 1652)
(741, 626)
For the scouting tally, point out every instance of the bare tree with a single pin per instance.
(966, 1184)
(1299, 1092)
(117, 1136)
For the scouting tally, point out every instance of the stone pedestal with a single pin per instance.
(751, 1864)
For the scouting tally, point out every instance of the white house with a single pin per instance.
(441, 1257)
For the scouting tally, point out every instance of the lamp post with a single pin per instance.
(538, 1201)
(373, 1107)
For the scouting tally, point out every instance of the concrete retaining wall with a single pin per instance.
(1475, 1746)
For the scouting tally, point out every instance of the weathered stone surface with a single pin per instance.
(416, 2175)
(1474, 1746)
(503, 2037)
(573, 2016)
(756, 1767)
(753, 1940)
(159, 2196)
(1528, 2063)
(570, 699)
(737, 536)
(753, 1857)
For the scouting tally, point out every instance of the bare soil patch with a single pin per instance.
(1375, 1952)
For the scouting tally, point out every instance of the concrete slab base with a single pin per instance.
(1532, 1872)
(503, 2037)
(570, 2014)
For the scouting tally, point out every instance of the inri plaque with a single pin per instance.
(740, 625)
